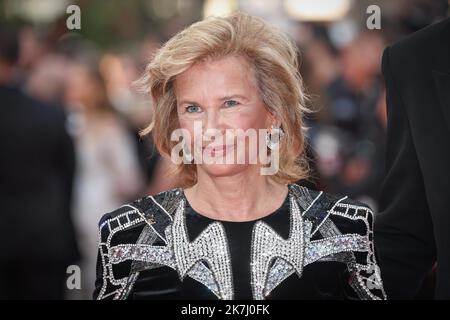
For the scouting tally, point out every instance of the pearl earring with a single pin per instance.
(273, 137)
(187, 156)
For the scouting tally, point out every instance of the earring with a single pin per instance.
(273, 138)
(187, 156)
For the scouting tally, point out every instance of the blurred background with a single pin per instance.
(70, 117)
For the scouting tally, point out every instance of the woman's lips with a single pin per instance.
(219, 149)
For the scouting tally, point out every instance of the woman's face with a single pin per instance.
(221, 95)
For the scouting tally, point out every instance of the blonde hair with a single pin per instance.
(274, 59)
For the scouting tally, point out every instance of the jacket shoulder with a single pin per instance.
(155, 211)
(142, 221)
(342, 231)
(421, 50)
(321, 199)
(431, 35)
(321, 208)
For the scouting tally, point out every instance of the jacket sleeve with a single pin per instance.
(111, 282)
(365, 275)
(403, 228)
(104, 289)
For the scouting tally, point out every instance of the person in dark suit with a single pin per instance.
(37, 164)
(412, 230)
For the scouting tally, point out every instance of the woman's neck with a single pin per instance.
(241, 197)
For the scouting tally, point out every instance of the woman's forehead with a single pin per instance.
(216, 75)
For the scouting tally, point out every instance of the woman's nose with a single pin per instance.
(214, 124)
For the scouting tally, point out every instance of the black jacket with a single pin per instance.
(36, 171)
(315, 246)
(412, 231)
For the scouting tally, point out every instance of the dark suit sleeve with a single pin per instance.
(403, 228)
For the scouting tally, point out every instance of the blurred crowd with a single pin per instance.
(103, 117)
(107, 164)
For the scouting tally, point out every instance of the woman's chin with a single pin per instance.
(221, 170)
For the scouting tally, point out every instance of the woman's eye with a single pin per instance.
(192, 109)
(231, 103)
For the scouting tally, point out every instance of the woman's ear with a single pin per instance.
(272, 120)
(276, 122)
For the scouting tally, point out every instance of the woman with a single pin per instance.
(234, 229)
